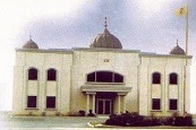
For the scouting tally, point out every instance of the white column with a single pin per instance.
(93, 111)
(124, 104)
(118, 104)
(87, 103)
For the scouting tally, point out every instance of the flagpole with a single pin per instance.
(186, 63)
(187, 28)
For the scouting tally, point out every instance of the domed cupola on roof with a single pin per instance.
(177, 50)
(106, 40)
(30, 45)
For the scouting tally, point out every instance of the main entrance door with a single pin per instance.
(104, 106)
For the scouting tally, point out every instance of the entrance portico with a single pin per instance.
(105, 99)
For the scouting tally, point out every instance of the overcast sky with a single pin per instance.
(146, 25)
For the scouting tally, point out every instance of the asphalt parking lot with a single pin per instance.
(9, 122)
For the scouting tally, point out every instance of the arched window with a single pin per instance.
(104, 76)
(32, 74)
(173, 78)
(156, 78)
(51, 75)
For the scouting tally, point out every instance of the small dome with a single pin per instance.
(177, 50)
(30, 45)
(106, 40)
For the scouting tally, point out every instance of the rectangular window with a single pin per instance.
(156, 104)
(50, 102)
(173, 104)
(32, 101)
(104, 76)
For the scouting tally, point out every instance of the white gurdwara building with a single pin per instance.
(103, 78)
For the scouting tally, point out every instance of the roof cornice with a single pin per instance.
(45, 50)
(163, 55)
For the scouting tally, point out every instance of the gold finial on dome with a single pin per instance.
(106, 22)
(177, 42)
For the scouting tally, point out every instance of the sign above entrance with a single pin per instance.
(106, 60)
